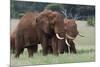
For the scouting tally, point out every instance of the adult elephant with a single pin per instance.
(45, 27)
(51, 26)
(26, 34)
(71, 33)
(12, 43)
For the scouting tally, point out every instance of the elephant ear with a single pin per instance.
(38, 21)
(56, 17)
(45, 13)
(38, 18)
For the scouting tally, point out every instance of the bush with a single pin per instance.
(91, 21)
(54, 7)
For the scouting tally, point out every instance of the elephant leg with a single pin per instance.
(45, 46)
(55, 46)
(12, 47)
(35, 48)
(61, 46)
(66, 48)
(72, 48)
(18, 52)
(50, 49)
(19, 46)
(45, 52)
(30, 51)
(13, 50)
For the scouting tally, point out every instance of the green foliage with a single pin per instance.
(91, 21)
(19, 7)
(54, 7)
(51, 59)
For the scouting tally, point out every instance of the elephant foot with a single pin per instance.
(30, 51)
(45, 52)
(75, 52)
(35, 48)
(18, 52)
(62, 52)
(56, 54)
(13, 51)
(17, 55)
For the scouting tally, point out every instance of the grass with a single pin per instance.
(82, 56)
(85, 47)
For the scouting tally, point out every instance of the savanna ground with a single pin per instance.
(85, 47)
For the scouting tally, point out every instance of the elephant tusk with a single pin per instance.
(70, 37)
(80, 35)
(60, 38)
(68, 45)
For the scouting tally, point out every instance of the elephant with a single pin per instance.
(51, 26)
(71, 31)
(25, 36)
(12, 43)
(42, 28)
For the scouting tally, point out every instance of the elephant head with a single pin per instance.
(50, 22)
(70, 28)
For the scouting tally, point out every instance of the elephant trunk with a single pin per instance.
(67, 45)
(60, 38)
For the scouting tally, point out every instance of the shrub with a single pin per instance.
(91, 21)
(54, 7)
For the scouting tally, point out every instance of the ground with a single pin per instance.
(85, 47)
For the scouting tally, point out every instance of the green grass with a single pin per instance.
(82, 56)
(85, 47)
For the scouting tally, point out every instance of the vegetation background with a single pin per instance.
(85, 15)
(81, 12)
